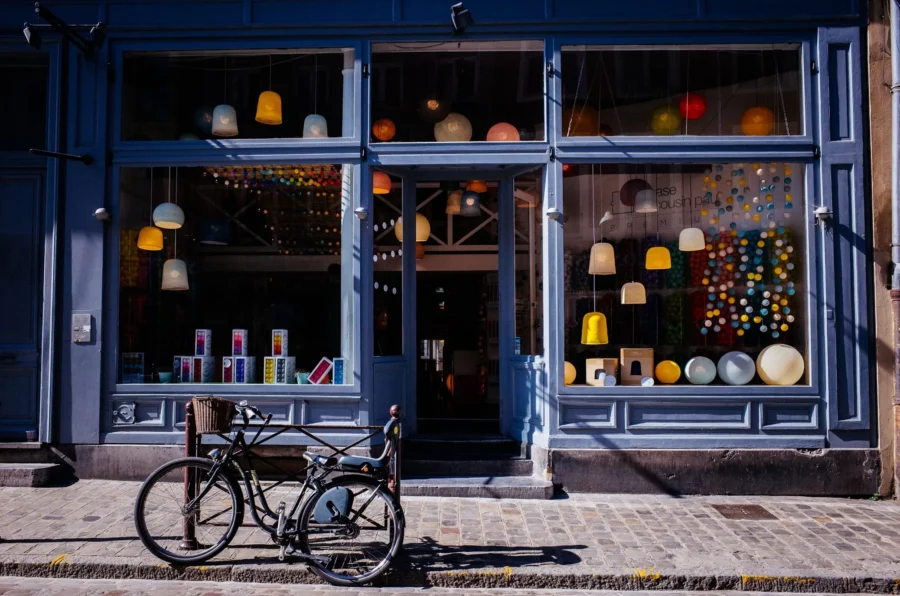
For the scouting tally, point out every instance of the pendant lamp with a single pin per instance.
(150, 237)
(381, 183)
(593, 329)
(315, 127)
(268, 108)
(603, 259)
(433, 109)
(455, 128)
(175, 277)
(168, 216)
(628, 192)
(645, 201)
(384, 129)
(454, 202)
(471, 204)
(420, 251)
(658, 257)
(691, 239)
(423, 228)
(503, 132)
(476, 186)
(634, 293)
(224, 121)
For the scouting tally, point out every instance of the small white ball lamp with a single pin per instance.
(780, 364)
(736, 368)
(423, 228)
(700, 370)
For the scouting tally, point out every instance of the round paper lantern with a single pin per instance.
(433, 109)
(175, 277)
(268, 108)
(203, 119)
(569, 375)
(224, 121)
(381, 183)
(455, 128)
(758, 122)
(665, 120)
(634, 293)
(150, 238)
(628, 192)
(168, 216)
(315, 127)
(736, 368)
(691, 239)
(503, 131)
(384, 129)
(580, 121)
(603, 259)
(658, 257)
(780, 364)
(593, 329)
(668, 372)
(692, 106)
(645, 201)
(423, 228)
(700, 370)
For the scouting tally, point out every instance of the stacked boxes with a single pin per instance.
(279, 342)
(239, 368)
(199, 368)
(202, 342)
(279, 367)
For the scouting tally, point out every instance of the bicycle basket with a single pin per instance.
(213, 414)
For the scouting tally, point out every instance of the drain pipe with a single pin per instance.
(895, 222)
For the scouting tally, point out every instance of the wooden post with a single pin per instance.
(188, 537)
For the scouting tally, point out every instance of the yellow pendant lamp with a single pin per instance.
(593, 329)
(658, 257)
(634, 293)
(150, 237)
(268, 108)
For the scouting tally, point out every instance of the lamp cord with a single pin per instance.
(270, 72)
(151, 195)
(787, 125)
(593, 235)
(316, 85)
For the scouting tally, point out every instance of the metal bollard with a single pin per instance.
(188, 537)
(395, 415)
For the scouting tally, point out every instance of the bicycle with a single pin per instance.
(335, 529)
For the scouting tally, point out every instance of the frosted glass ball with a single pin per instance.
(700, 370)
(780, 364)
(736, 368)
(455, 128)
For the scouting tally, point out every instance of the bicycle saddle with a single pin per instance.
(319, 460)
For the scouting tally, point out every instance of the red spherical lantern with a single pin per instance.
(692, 106)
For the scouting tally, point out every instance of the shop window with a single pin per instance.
(234, 274)
(247, 95)
(458, 92)
(25, 125)
(686, 90)
(529, 267)
(685, 274)
(388, 265)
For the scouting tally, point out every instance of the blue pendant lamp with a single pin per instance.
(471, 204)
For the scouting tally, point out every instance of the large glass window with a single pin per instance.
(243, 95)
(26, 109)
(685, 90)
(689, 274)
(529, 268)
(233, 274)
(458, 91)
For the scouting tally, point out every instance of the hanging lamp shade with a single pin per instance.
(384, 129)
(471, 204)
(628, 192)
(268, 108)
(423, 228)
(433, 109)
(758, 121)
(645, 201)
(503, 132)
(634, 293)
(150, 238)
(454, 202)
(168, 216)
(593, 329)
(224, 121)
(476, 186)
(214, 233)
(455, 128)
(381, 183)
(603, 259)
(203, 119)
(691, 239)
(420, 251)
(315, 127)
(175, 277)
(658, 257)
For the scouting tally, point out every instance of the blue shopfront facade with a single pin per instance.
(588, 123)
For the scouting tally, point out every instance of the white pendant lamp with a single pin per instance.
(603, 259)
(168, 216)
(691, 239)
(634, 293)
(175, 277)
(645, 201)
(315, 127)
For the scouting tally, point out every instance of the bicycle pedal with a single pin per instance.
(282, 552)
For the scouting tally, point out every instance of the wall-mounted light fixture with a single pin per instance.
(460, 17)
(96, 33)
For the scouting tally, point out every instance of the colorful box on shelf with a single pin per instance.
(239, 342)
(203, 342)
(193, 369)
(244, 369)
(319, 375)
(279, 342)
(337, 371)
(279, 370)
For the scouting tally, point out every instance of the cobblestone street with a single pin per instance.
(584, 541)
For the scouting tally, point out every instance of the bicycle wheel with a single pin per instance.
(161, 520)
(355, 552)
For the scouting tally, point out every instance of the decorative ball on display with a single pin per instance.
(736, 368)
(700, 370)
(569, 373)
(423, 228)
(455, 128)
(628, 192)
(384, 129)
(692, 106)
(780, 364)
(668, 372)
(503, 132)
(433, 109)
(758, 122)
(665, 120)
(580, 121)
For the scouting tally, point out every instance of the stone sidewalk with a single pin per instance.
(622, 542)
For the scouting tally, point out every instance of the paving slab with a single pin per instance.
(584, 542)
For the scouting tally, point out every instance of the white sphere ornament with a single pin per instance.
(780, 364)
(700, 370)
(168, 216)
(736, 368)
(455, 128)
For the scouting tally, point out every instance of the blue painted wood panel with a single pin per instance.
(682, 416)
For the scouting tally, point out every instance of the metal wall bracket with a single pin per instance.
(86, 159)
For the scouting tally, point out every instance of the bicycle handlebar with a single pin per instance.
(244, 408)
